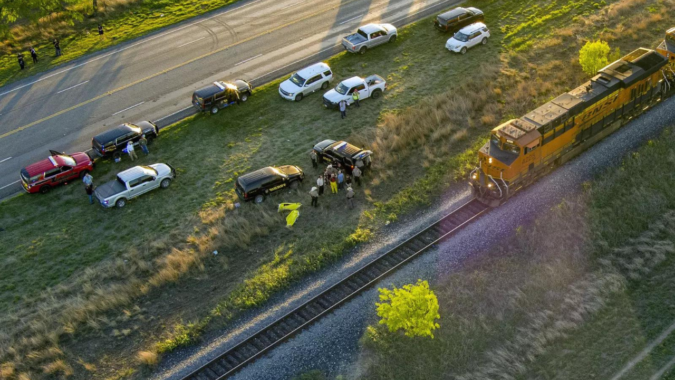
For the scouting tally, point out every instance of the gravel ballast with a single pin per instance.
(331, 345)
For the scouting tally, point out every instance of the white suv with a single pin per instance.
(468, 37)
(306, 81)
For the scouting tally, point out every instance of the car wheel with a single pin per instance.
(244, 97)
(363, 50)
(324, 85)
(45, 189)
(214, 110)
(463, 51)
(299, 97)
(376, 94)
(259, 198)
(393, 38)
(484, 41)
(121, 203)
(165, 183)
(83, 173)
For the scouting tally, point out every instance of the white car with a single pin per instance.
(134, 182)
(306, 81)
(371, 87)
(468, 37)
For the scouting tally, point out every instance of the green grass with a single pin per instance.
(95, 262)
(122, 22)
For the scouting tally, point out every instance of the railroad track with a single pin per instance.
(290, 324)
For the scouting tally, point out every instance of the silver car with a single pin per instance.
(369, 36)
(134, 182)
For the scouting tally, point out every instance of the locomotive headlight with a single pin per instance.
(490, 160)
(475, 176)
(489, 185)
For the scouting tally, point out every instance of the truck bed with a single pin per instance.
(110, 189)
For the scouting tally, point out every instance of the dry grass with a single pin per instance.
(148, 358)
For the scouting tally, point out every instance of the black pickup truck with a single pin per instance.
(342, 152)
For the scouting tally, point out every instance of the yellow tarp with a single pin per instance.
(289, 206)
(292, 217)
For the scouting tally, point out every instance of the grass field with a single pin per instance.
(97, 292)
(123, 20)
(580, 306)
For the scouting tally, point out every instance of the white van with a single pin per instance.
(306, 81)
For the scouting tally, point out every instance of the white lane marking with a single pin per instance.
(126, 48)
(164, 117)
(351, 19)
(663, 370)
(188, 43)
(647, 350)
(250, 59)
(8, 158)
(6, 186)
(128, 108)
(70, 88)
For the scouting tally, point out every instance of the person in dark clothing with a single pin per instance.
(143, 142)
(33, 54)
(90, 192)
(57, 47)
(22, 64)
(314, 158)
(100, 31)
(343, 108)
(348, 180)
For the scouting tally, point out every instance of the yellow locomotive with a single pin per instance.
(522, 150)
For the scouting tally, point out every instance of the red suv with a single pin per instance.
(55, 170)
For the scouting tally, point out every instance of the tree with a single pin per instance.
(593, 56)
(413, 308)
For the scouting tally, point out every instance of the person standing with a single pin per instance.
(57, 47)
(22, 64)
(350, 197)
(88, 180)
(343, 108)
(314, 193)
(341, 180)
(333, 184)
(143, 142)
(355, 97)
(33, 54)
(314, 158)
(130, 150)
(348, 180)
(319, 182)
(357, 175)
(90, 192)
(100, 32)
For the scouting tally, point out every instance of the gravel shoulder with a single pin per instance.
(331, 345)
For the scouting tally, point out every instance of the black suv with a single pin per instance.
(260, 183)
(454, 20)
(342, 152)
(220, 95)
(112, 142)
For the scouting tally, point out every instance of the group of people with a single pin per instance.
(343, 103)
(57, 49)
(131, 151)
(335, 176)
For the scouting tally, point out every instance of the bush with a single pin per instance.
(413, 308)
(593, 56)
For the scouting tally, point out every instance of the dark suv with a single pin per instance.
(112, 142)
(342, 152)
(260, 183)
(454, 20)
(219, 95)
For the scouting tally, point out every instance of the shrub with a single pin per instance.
(148, 358)
(413, 308)
(593, 56)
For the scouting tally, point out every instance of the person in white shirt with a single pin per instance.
(130, 150)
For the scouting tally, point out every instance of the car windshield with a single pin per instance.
(298, 80)
(199, 100)
(69, 161)
(341, 89)
(459, 36)
(503, 151)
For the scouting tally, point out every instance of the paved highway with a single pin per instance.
(152, 78)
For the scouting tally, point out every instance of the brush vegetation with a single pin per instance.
(83, 284)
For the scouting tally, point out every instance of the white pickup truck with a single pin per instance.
(134, 182)
(371, 87)
(369, 36)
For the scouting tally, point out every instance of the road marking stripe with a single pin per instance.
(148, 39)
(643, 354)
(351, 19)
(250, 59)
(126, 109)
(70, 88)
(8, 158)
(6, 134)
(188, 43)
(164, 117)
(6, 186)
